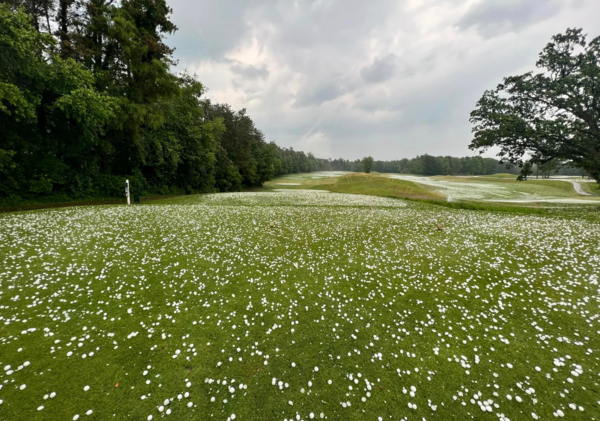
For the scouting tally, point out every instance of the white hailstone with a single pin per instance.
(316, 368)
(143, 374)
(212, 399)
(75, 417)
(23, 386)
(186, 394)
(166, 402)
(86, 388)
(329, 381)
(560, 413)
(311, 415)
(190, 404)
(309, 384)
(39, 408)
(46, 397)
(573, 406)
(69, 353)
(149, 417)
(179, 397)
(232, 416)
(322, 415)
(161, 408)
(535, 416)
(509, 365)
(537, 368)
(168, 411)
(293, 364)
(26, 364)
(518, 399)
(89, 412)
(188, 384)
(52, 395)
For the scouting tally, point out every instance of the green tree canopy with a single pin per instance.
(88, 98)
(551, 114)
(367, 164)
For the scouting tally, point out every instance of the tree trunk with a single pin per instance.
(63, 28)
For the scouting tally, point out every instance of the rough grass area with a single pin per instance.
(374, 185)
(297, 305)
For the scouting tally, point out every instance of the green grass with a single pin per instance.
(253, 287)
(593, 188)
(372, 185)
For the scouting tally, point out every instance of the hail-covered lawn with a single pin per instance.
(296, 306)
(503, 189)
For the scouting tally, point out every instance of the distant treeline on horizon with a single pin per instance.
(441, 165)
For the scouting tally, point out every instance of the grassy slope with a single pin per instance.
(374, 185)
(378, 186)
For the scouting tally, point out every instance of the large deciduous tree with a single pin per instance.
(550, 114)
(367, 164)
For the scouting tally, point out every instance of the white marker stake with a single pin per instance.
(127, 192)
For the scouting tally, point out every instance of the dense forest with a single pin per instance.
(88, 98)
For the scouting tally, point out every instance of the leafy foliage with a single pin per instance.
(367, 164)
(553, 114)
(95, 102)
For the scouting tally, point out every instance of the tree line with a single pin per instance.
(88, 98)
(424, 165)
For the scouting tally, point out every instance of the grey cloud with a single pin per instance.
(318, 94)
(381, 70)
(316, 64)
(495, 17)
(209, 29)
(249, 71)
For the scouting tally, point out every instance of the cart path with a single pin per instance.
(579, 190)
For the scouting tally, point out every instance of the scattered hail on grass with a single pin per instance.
(491, 191)
(346, 307)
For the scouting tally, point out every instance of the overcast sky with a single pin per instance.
(349, 78)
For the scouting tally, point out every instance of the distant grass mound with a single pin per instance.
(373, 185)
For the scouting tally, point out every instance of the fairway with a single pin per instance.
(297, 305)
